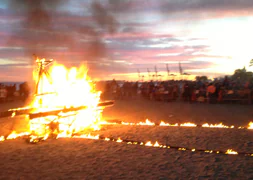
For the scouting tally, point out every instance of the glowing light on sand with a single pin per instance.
(1, 138)
(147, 122)
(13, 114)
(162, 123)
(119, 140)
(230, 151)
(149, 143)
(156, 144)
(215, 125)
(250, 125)
(188, 125)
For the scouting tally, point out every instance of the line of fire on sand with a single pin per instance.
(162, 123)
(14, 135)
(140, 143)
(163, 146)
(36, 139)
(72, 88)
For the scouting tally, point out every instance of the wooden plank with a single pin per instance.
(65, 110)
(22, 111)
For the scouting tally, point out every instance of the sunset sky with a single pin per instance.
(115, 38)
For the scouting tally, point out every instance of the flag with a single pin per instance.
(180, 68)
(148, 72)
(155, 71)
(168, 70)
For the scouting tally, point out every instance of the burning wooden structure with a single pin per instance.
(65, 103)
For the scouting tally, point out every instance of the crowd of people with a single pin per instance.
(10, 92)
(217, 91)
(124, 90)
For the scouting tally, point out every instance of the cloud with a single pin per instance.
(113, 36)
(190, 11)
(171, 6)
(47, 24)
(182, 5)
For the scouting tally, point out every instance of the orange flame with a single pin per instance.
(119, 140)
(188, 125)
(147, 122)
(250, 125)
(216, 125)
(67, 88)
(149, 143)
(14, 135)
(162, 123)
(87, 136)
(156, 144)
(230, 151)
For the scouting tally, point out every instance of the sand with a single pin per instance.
(96, 159)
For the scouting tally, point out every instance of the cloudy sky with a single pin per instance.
(116, 38)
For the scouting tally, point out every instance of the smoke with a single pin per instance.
(103, 18)
(44, 26)
(35, 31)
(37, 13)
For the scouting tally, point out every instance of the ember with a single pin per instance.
(156, 144)
(230, 151)
(250, 125)
(119, 140)
(148, 144)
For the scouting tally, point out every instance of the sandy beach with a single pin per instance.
(97, 159)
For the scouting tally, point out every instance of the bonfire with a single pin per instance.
(65, 103)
